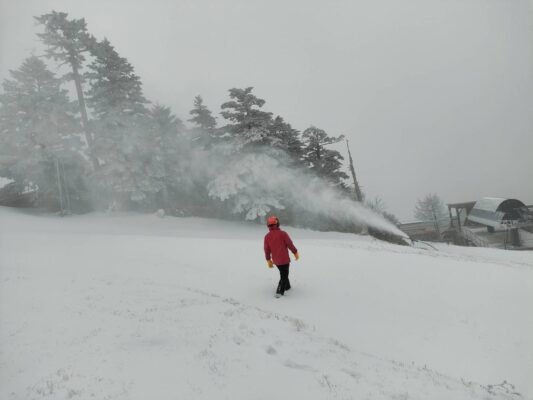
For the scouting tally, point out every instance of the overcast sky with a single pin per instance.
(434, 95)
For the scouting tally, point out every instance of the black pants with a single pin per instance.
(284, 283)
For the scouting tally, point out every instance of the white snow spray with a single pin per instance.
(258, 183)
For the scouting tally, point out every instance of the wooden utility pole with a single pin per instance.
(357, 191)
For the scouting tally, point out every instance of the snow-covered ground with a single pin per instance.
(141, 307)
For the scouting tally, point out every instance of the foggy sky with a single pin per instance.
(434, 95)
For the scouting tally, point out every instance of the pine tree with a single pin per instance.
(246, 185)
(205, 123)
(202, 117)
(321, 161)
(286, 138)
(129, 172)
(166, 124)
(67, 42)
(40, 132)
(171, 153)
(115, 88)
(249, 125)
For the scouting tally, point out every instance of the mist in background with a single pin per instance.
(435, 96)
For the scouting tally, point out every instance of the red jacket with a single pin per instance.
(276, 244)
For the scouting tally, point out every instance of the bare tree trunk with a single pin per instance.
(83, 111)
(436, 224)
(59, 187)
(357, 191)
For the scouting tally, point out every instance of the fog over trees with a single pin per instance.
(111, 148)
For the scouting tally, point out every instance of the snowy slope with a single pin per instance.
(139, 307)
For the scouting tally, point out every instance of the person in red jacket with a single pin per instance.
(277, 244)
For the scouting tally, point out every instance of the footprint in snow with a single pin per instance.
(295, 365)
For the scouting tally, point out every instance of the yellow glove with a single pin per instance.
(270, 263)
(296, 256)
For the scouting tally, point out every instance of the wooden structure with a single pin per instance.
(489, 222)
(461, 212)
(493, 222)
(358, 195)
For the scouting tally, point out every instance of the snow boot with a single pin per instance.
(280, 290)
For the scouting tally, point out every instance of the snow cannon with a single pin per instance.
(399, 237)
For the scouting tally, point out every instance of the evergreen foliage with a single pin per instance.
(39, 130)
(67, 42)
(321, 161)
(129, 171)
(287, 139)
(247, 184)
(114, 86)
(204, 123)
(171, 154)
(249, 125)
(201, 115)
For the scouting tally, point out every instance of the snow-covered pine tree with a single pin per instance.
(286, 138)
(40, 133)
(249, 127)
(241, 164)
(323, 162)
(129, 172)
(248, 187)
(67, 42)
(204, 123)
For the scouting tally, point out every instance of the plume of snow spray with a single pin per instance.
(257, 183)
(321, 199)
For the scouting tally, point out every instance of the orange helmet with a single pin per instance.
(272, 221)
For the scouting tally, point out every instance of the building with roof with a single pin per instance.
(497, 213)
(489, 222)
(493, 222)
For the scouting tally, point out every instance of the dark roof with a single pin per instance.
(492, 211)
